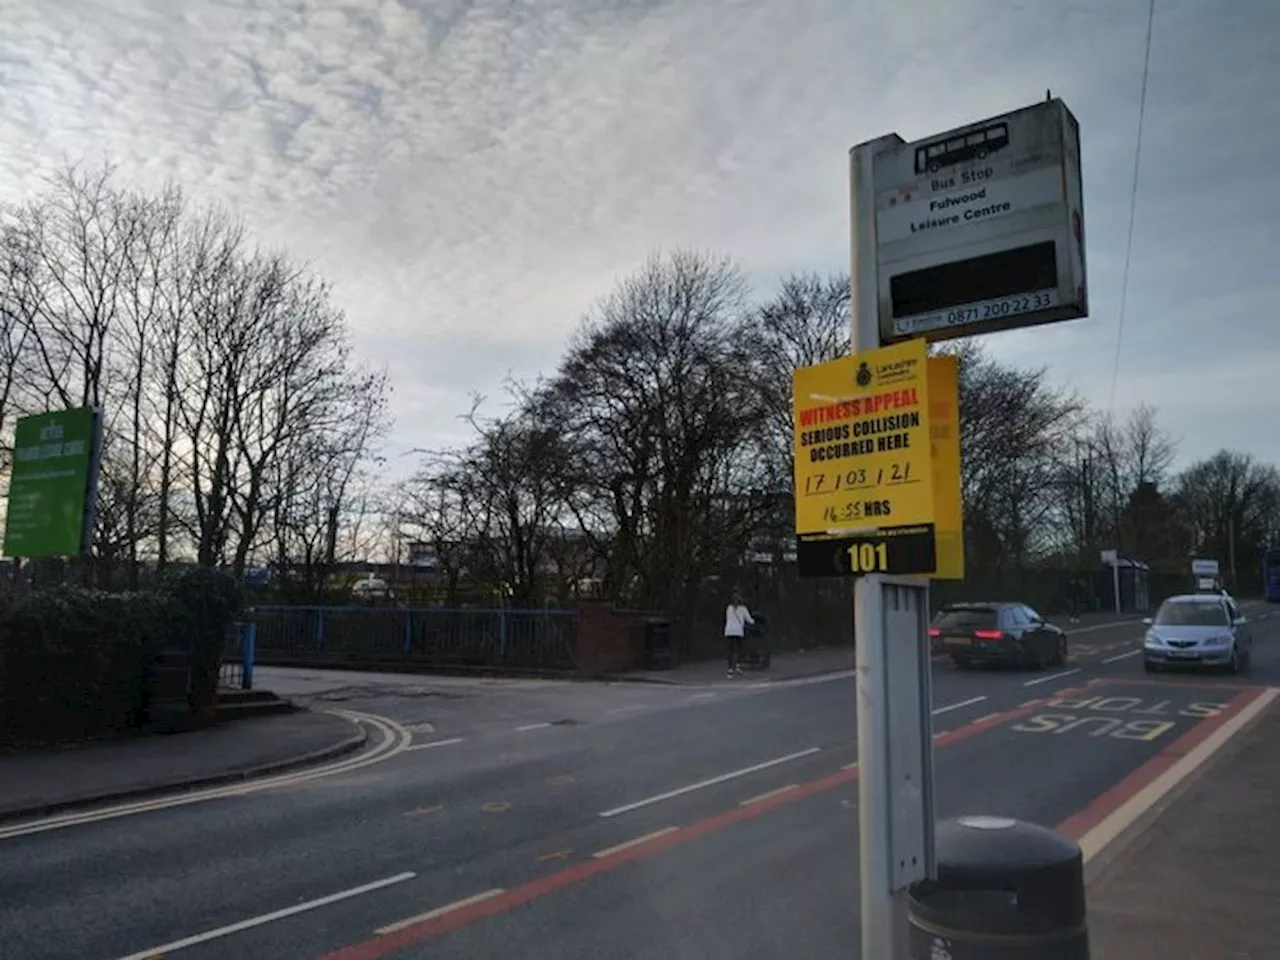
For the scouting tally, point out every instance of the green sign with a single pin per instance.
(52, 484)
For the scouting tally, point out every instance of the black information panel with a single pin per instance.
(1003, 274)
(894, 550)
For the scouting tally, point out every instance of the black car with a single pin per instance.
(997, 633)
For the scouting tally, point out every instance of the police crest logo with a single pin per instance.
(863, 376)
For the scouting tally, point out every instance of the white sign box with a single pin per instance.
(1204, 568)
(981, 228)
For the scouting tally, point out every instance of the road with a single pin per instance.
(538, 818)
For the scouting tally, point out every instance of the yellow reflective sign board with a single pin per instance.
(861, 442)
(944, 434)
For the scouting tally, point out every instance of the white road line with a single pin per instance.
(984, 719)
(439, 911)
(1052, 676)
(702, 784)
(1122, 656)
(850, 766)
(703, 696)
(434, 743)
(767, 794)
(631, 708)
(956, 706)
(1097, 839)
(395, 739)
(601, 854)
(532, 726)
(258, 921)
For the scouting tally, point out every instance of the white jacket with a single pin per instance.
(736, 619)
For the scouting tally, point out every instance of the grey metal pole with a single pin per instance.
(1115, 580)
(1231, 551)
(880, 923)
(884, 931)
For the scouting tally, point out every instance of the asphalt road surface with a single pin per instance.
(536, 819)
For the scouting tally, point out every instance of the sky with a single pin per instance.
(472, 175)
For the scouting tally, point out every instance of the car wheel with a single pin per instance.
(1059, 653)
(1233, 665)
(1148, 666)
(1036, 657)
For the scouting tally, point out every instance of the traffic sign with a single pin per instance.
(980, 228)
(863, 464)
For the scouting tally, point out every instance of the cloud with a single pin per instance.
(472, 174)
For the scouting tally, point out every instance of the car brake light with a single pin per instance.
(935, 632)
(988, 634)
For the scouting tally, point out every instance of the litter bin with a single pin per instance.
(1006, 890)
(658, 652)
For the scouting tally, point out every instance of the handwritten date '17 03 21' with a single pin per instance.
(817, 484)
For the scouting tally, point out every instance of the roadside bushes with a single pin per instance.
(75, 663)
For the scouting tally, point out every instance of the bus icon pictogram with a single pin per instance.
(974, 145)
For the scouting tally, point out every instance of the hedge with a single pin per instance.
(76, 664)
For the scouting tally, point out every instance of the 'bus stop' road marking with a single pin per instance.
(1103, 821)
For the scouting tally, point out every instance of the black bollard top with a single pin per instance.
(1002, 876)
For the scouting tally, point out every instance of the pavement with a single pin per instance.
(815, 661)
(1200, 882)
(534, 818)
(44, 782)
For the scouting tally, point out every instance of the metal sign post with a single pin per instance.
(895, 755)
(894, 696)
(969, 231)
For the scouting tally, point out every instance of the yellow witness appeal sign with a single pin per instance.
(861, 442)
(944, 431)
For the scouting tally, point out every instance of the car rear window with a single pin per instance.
(965, 619)
(1187, 613)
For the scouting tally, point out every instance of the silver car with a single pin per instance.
(1203, 629)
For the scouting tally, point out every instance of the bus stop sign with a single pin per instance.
(981, 228)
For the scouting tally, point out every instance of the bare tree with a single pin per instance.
(656, 401)
(517, 465)
(1229, 504)
(214, 365)
(194, 258)
(1014, 428)
(805, 323)
(316, 486)
(438, 509)
(1110, 486)
(16, 357)
(79, 237)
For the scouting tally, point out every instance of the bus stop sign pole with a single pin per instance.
(894, 693)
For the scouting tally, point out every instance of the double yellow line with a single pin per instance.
(392, 740)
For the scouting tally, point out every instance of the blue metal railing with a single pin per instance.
(429, 636)
(238, 656)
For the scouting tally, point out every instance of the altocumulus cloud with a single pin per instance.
(472, 175)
